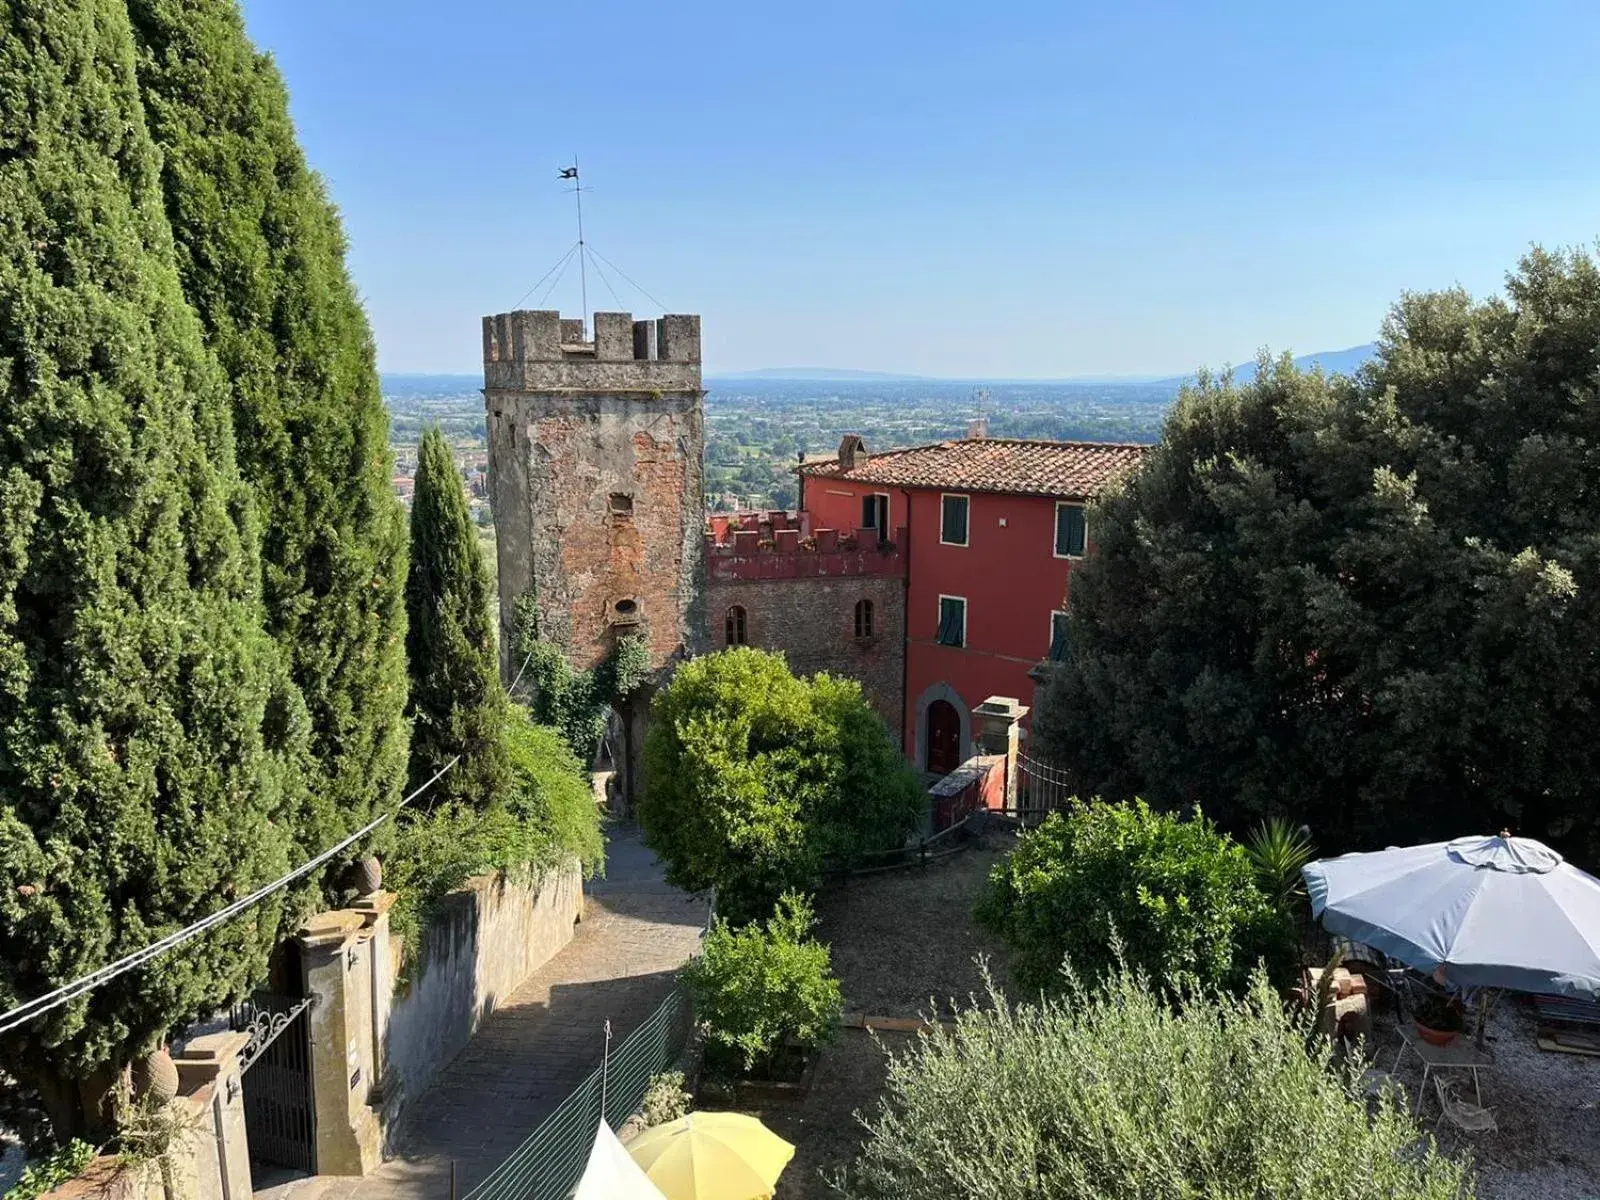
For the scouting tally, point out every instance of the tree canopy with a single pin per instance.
(755, 777)
(458, 706)
(151, 740)
(261, 255)
(1371, 604)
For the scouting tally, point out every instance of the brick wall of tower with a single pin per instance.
(596, 479)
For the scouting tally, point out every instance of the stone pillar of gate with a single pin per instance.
(210, 1076)
(1000, 732)
(373, 952)
(338, 978)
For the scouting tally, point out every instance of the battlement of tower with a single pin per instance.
(540, 351)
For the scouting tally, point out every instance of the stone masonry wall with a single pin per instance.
(812, 620)
(596, 479)
(491, 935)
(600, 571)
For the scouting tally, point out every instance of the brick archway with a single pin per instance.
(930, 694)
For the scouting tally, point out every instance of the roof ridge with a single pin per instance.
(1088, 443)
(1083, 442)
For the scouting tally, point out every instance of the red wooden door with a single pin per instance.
(944, 738)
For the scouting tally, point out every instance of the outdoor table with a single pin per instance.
(1460, 1053)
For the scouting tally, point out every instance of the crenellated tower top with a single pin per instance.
(540, 351)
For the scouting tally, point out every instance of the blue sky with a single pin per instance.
(960, 189)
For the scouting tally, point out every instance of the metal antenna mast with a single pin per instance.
(583, 273)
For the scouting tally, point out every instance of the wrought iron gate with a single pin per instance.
(1041, 790)
(279, 1114)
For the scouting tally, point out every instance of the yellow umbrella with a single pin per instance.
(712, 1156)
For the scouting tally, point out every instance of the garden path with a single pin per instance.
(537, 1047)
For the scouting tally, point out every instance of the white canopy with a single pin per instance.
(612, 1174)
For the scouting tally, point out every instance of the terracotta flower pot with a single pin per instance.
(366, 875)
(1436, 1037)
(155, 1077)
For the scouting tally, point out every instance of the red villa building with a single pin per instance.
(946, 565)
(993, 527)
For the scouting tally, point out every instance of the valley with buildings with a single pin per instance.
(756, 429)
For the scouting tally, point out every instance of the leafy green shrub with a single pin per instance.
(756, 777)
(1107, 1094)
(759, 987)
(48, 1173)
(548, 814)
(1278, 850)
(1179, 896)
(665, 1100)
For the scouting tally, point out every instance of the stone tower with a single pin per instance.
(595, 474)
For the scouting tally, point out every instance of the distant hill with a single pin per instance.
(821, 374)
(402, 384)
(1338, 361)
(1335, 362)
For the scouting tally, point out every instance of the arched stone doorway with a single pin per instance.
(609, 771)
(944, 738)
(941, 711)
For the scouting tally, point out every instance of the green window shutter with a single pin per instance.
(1060, 647)
(1072, 530)
(952, 616)
(954, 525)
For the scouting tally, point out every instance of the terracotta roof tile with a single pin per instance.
(1074, 470)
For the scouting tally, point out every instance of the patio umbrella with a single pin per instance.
(712, 1156)
(1493, 912)
(611, 1173)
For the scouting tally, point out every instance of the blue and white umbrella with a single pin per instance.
(1493, 912)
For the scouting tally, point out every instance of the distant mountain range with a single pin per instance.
(1341, 362)
(822, 375)
(1335, 362)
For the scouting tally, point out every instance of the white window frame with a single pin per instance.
(883, 534)
(968, 498)
(1050, 635)
(939, 619)
(1055, 532)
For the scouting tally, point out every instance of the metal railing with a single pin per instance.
(548, 1165)
(1042, 789)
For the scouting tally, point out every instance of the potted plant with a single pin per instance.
(767, 999)
(1439, 1019)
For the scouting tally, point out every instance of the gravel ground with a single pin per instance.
(904, 939)
(823, 1127)
(1546, 1104)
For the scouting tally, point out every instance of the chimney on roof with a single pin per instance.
(978, 427)
(852, 451)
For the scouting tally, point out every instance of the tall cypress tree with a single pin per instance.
(457, 703)
(261, 254)
(146, 745)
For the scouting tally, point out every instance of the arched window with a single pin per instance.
(863, 618)
(733, 626)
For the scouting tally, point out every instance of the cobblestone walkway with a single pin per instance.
(526, 1058)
